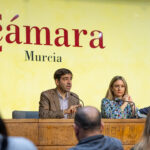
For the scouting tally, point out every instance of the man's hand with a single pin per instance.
(72, 109)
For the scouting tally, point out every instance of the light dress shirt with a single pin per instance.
(63, 103)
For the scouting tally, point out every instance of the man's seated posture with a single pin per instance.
(88, 127)
(59, 102)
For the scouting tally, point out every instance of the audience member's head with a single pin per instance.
(144, 143)
(87, 122)
(3, 135)
(13, 143)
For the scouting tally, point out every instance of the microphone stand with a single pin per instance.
(78, 99)
(132, 104)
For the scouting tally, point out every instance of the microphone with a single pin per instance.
(77, 98)
(131, 104)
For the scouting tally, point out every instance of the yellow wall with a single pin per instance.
(126, 34)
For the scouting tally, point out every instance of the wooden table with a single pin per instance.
(58, 134)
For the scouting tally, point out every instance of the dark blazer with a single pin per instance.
(98, 142)
(49, 105)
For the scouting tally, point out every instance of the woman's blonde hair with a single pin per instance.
(110, 94)
(144, 143)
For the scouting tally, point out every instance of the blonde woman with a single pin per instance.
(117, 103)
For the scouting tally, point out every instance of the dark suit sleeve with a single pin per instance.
(45, 110)
(132, 148)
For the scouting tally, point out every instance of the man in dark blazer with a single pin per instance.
(59, 102)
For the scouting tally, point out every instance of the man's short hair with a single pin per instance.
(85, 120)
(61, 72)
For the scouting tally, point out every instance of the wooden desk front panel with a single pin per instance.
(23, 127)
(58, 134)
(54, 147)
(128, 131)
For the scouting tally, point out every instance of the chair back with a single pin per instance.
(17, 114)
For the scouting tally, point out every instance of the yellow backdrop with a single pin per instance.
(125, 26)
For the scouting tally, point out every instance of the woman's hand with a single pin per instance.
(130, 99)
(127, 98)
